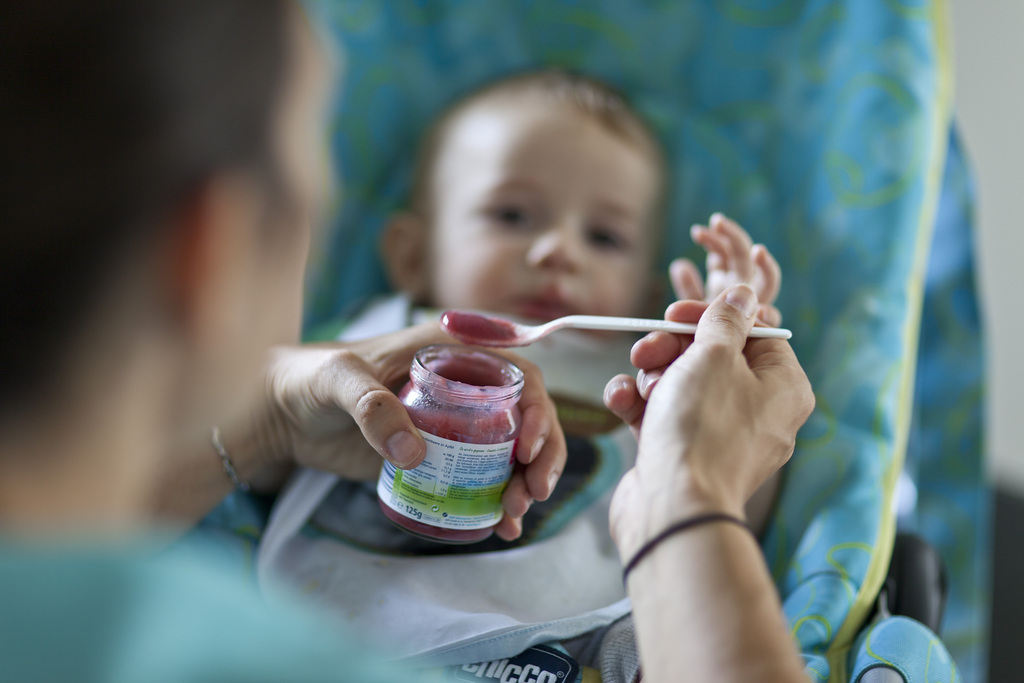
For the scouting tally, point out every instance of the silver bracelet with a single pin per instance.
(225, 460)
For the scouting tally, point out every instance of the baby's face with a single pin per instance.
(540, 211)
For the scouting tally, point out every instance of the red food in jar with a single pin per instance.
(464, 402)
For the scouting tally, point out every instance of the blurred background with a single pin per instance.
(990, 107)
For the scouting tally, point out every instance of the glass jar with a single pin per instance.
(464, 402)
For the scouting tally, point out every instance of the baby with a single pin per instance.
(540, 196)
(536, 197)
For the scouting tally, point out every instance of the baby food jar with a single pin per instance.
(463, 401)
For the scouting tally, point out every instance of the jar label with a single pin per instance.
(457, 486)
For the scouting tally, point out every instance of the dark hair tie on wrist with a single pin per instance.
(684, 525)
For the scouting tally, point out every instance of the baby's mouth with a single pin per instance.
(544, 308)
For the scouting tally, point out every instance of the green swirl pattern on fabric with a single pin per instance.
(906, 646)
(821, 126)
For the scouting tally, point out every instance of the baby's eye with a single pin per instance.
(511, 217)
(605, 239)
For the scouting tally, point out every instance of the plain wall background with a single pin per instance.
(989, 43)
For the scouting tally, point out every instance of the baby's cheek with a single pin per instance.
(624, 293)
(466, 283)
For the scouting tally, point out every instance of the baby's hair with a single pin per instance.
(587, 95)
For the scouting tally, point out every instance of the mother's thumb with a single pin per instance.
(729, 317)
(384, 422)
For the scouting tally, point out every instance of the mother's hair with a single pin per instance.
(112, 111)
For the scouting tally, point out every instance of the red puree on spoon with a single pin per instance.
(480, 330)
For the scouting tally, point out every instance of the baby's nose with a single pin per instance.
(554, 248)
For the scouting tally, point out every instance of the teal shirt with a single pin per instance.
(133, 613)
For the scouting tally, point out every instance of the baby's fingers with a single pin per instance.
(738, 245)
(719, 251)
(771, 274)
(685, 278)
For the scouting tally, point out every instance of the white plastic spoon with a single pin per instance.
(483, 330)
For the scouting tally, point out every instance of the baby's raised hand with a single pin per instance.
(732, 259)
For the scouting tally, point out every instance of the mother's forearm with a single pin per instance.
(706, 609)
(192, 479)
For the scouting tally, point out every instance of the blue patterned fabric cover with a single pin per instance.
(945, 454)
(822, 126)
(906, 646)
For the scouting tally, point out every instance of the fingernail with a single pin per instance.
(552, 480)
(645, 381)
(614, 386)
(537, 446)
(402, 449)
(518, 523)
(743, 298)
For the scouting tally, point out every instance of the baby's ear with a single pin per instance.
(404, 251)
